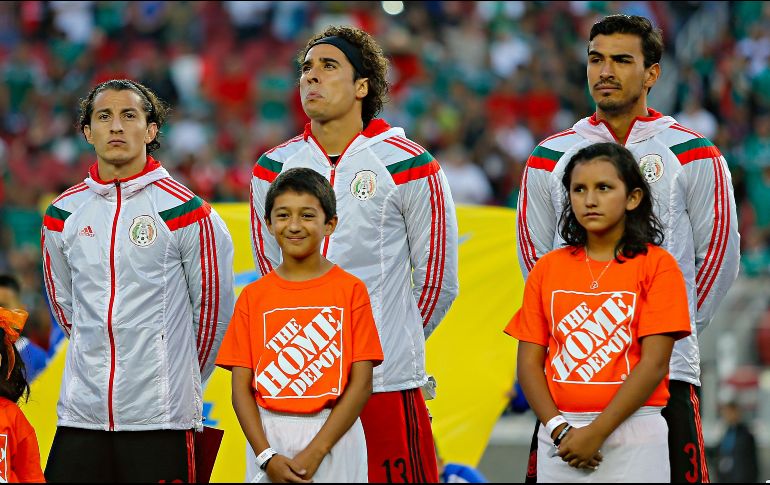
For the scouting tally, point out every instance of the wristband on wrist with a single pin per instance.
(554, 423)
(264, 457)
(562, 434)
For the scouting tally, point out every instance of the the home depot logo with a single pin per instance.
(303, 353)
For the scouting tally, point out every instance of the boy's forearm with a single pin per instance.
(347, 409)
(246, 409)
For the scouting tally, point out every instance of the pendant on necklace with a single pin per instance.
(594, 285)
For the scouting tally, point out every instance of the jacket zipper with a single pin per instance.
(109, 310)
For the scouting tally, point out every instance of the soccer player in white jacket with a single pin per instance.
(693, 198)
(139, 274)
(397, 232)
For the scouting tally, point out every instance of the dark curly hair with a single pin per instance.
(642, 227)
(155, 109)
(375, 66)
(15, 387)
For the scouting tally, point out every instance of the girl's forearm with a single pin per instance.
(640, 384)
(530, 365)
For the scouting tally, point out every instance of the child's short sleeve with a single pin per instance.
(530, 323)
(366, 339)
(665, 308)
(25, 462)
(236, 349)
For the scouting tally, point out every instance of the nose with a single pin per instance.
(294, 224)
(311, 75)
(606, 71)
(116, 126)
(590, 198)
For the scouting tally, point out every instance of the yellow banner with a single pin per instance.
(472, 360)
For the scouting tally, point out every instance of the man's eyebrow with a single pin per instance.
(615, 57)
(321, 59)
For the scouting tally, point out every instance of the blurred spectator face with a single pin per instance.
(326, 86)
(617, 79)
(9, 298)
(118, 129)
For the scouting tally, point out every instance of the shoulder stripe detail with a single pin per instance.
(679, 127)
(406, 142)
(558, 135)
(400, 144)
(525, 240)
(410, 164)
(296, 138)
(544, 158)
(174, 191)
(72, 190)
(719, 234)
(181, 188)
(185, 214)
(54, 218)
(267, 169)
(210, 280)
(697, 149)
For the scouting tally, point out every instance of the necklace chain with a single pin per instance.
(595, 281)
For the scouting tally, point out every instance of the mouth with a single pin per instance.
(116, 142)
(606, 87)
(592, 214)
(313, 95)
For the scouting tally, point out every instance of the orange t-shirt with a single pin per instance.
(593, 336)
(19, 453)
(301, 338)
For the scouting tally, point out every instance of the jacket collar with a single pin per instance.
(642, 128)
(376, 130)
(152, 172)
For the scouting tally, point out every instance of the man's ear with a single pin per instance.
(362, 87)
(87, 133)
(653, 73)
(152, 132)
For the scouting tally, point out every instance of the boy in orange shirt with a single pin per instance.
(601, 316)
(302, 345)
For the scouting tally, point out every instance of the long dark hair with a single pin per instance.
(16, 386)
(642, 227)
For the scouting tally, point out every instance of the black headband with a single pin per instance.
(352, 52)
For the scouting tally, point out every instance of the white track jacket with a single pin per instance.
(692, 196)
(397, 232)
(139, 274)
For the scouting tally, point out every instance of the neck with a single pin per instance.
(335, 135)
(620, 122)
(601, 248)
(112, 171)
(309, 268)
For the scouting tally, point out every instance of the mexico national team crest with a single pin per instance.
(364, 185)
(652, 167)
(143, 231)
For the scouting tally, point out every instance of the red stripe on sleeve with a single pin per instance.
(723, 224)
(439, 269)
(428, 272)
(698, 154)
(215, 285)
(53, 224)
(404, 147)
(204, 292)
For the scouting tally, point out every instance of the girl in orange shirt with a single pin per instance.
(19, 453)
(600, 316)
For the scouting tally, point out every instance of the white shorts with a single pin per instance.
(637, 451)
(288, 434)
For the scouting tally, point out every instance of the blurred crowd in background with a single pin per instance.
(479, 84)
